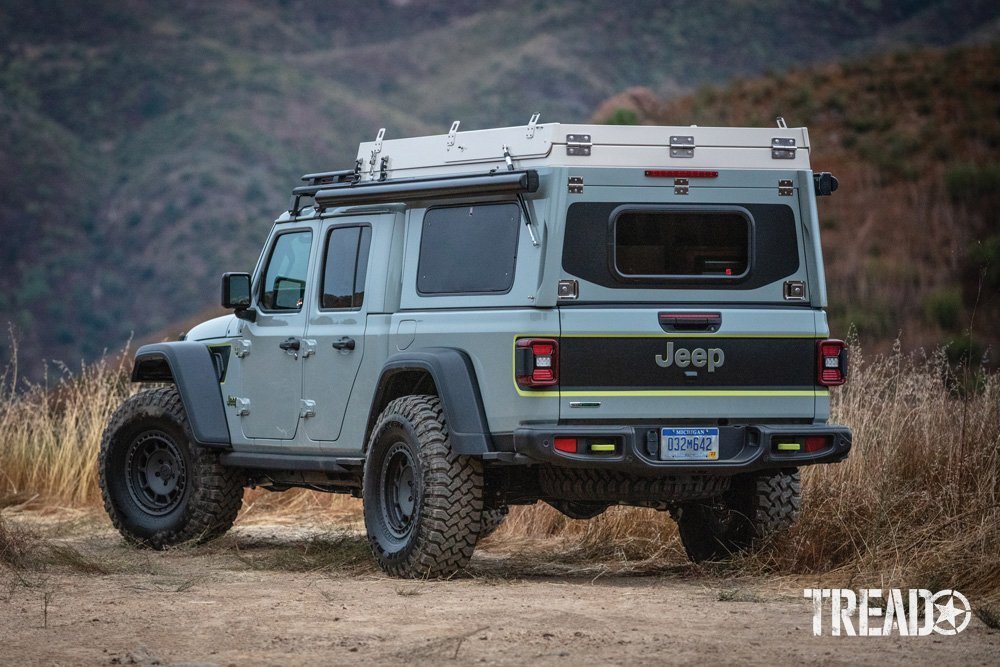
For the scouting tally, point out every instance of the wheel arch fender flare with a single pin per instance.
(188, 365)
(454, 378)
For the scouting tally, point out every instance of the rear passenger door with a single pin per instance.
(336, 327)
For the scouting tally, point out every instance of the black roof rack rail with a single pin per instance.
(411, 189)
(330, 177)
(319, 181)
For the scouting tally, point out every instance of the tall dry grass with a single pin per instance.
(916, 503)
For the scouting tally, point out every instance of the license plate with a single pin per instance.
(689, 444)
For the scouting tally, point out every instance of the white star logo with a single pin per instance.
(949, 613)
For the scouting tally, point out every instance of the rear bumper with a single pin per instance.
(742, 448)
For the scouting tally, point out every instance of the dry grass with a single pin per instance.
(916, 504)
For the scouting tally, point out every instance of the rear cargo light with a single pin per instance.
(536, 362)
(831, 363)
(681, 173)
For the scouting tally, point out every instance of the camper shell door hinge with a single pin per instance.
(578, 144)
(785, 188)
(782, 148)
(575, 185)
(682, 146)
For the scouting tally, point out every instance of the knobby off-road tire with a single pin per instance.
(493, 518)
(423, 503)
(754, 509)
(158, 486)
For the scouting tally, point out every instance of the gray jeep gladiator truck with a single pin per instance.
(583, 315)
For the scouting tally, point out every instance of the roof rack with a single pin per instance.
(339, 188)
(318, 181)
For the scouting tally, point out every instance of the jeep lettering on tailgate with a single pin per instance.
(697, 357)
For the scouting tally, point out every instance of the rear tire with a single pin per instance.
(754, 509)
(492, 519)
(423, 503)
(158, 486)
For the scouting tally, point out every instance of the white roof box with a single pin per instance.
(554, 144)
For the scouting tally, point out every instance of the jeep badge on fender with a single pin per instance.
(444, 336)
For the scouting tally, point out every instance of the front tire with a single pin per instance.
(423, 503)
(158, 486)
(753, 510)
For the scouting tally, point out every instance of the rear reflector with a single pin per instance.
(817, 443)
(567, 445)
(788, 446)
(602, 447)
(681, 173)
(831, 363)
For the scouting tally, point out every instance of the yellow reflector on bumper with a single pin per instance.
(789, 446)
(602, 447)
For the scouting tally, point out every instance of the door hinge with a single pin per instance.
(680, 186)
(578, 144)
(682, 146)
(308, 409)
(242, 405)
(575, 185)
(307, 347)
(241, 347)
(453, 133)
(782, 148)
(785, 188)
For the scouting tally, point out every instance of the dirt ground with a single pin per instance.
(277, 594)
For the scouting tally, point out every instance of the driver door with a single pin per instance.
(272, 365)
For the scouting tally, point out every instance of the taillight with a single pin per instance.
(536, 362)
(831, 360)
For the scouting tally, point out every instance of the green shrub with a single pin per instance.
(968, 183)
(622, 116)
(943, 307)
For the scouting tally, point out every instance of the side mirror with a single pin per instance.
(236, 295)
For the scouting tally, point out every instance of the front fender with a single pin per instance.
(188, 365)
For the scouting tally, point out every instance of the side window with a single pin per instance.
(284, 284)
(468, 249)
(345, 267)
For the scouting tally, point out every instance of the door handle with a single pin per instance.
(289, 344)
(344, 343)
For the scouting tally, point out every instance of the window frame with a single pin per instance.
(696, 209)
(357, 256)
(516, 244)
(262, 286)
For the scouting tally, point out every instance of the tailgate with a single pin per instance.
(664, 363)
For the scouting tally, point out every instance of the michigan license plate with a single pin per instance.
(689, 444)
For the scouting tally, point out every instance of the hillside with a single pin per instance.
(145, 147)
(912, 238)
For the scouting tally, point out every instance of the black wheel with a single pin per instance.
(423, 503)
(579, 509)
(755, 508)
(492, 519)
(158, 487)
